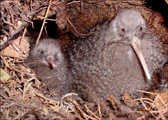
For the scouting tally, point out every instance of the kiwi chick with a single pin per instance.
(105, 63)
(48, 62)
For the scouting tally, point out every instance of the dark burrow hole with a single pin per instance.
(50, 30)
(160, 6)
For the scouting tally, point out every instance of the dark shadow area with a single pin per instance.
(50, 30)
(159, 6)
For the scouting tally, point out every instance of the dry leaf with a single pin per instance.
(128, 100)
(113, 102)
(4, 76)
(18, 49)
(108, 2)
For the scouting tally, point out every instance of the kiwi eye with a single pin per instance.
(122, 30)
(41, 52)
(140, 28)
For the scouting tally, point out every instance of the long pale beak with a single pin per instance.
(50, 61)
(136, 45)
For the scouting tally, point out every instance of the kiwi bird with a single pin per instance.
(119, 56)
(48, 62)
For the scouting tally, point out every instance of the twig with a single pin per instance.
(23, 35)
(13, 36)
(44, 21)
(48, 19)
(72, 2)
(99, 111)
(77, 33)
(19, 30)
(90, 112)
(81, 112)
